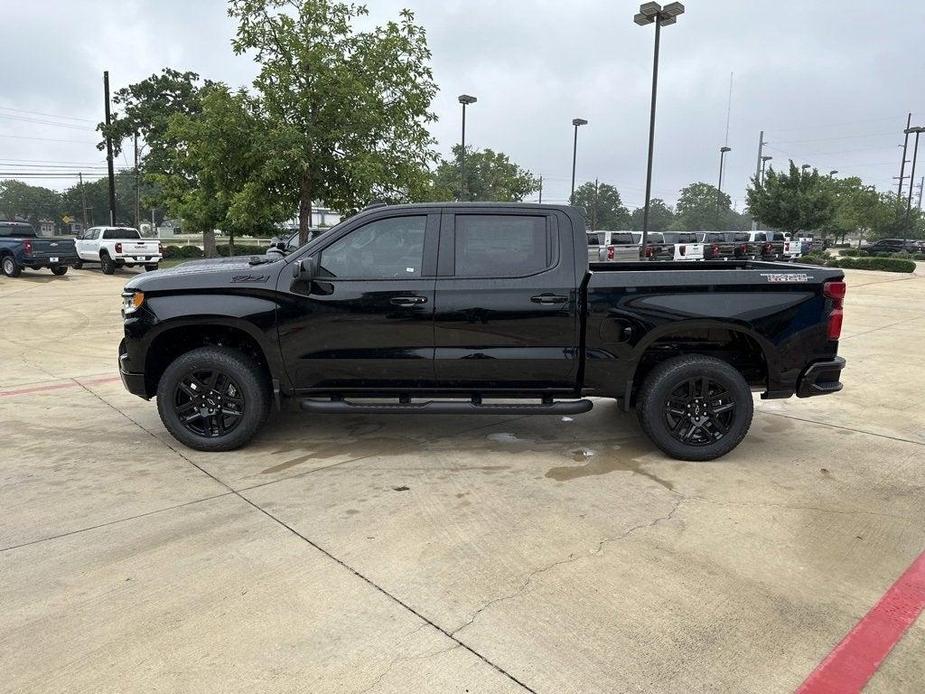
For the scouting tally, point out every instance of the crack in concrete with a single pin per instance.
(405, 659)
(680, 499)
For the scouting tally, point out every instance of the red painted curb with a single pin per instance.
(859, 655)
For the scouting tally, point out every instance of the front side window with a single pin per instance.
(490, 245)
(385, 249)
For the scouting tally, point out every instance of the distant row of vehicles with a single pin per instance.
(111, 247)
(612, 246)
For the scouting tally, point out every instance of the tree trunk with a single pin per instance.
(305, 207)
(208, 243)
(230, 243)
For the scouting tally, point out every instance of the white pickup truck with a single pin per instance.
(115, 247)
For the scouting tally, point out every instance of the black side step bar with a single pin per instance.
(444, 407)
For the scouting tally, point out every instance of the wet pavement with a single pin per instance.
(446, 554)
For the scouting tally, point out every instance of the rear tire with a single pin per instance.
(213, 399)
(695, 407)
(10, 267)
(77, 266)
(150, 267)
(107, 264)
(59, 270)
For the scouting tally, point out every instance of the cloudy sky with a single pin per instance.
(829, 82)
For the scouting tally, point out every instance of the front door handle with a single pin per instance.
(548, 299)
(407, 300)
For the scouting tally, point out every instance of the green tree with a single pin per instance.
(794, 201)
(214, 179)
(602, 205)
(661, 216)
(346, 110)
(490, 176)
(32, 203)
(702, 206)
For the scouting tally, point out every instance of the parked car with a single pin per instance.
(611, 246)
(115, 247)
(812, 244)
(766, 245)
(445, 308)
(725, 245)
(284, 245)
(21, 247)
(687, 245)
(793, 248)
(895, 246)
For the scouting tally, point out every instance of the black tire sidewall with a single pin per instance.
(150, 267)
(665, 378)
(59, 270)
(107, 265)
(246, 374)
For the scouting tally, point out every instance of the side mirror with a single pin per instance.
(306, 269)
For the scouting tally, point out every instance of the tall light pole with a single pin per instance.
(649, 13)
(465, 100)
(577, 122)
(764, 160)
(833, 172)
(915, 152)
(902, 166)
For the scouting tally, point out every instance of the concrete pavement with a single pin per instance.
(442, 554)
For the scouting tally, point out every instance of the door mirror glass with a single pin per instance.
(306, 269)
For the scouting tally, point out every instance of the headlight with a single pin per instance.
(132, 301)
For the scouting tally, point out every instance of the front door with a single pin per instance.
(507, 303)
(365, 323)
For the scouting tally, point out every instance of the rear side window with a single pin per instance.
(17, 230)
(595, 239)
(501, 245)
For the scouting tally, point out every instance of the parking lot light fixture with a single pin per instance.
(653, 13)
(806, 166)
(833, 172)
(577, 122)
(764, 160)
(722, 155)
(465, 100)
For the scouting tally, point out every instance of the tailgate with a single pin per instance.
(44, 249)
(138, 248)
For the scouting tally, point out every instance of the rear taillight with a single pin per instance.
(611, 252)
(160, 249)
(714, 250)
(27, 247)
(682, 249)
(766, 248)
(649, 251)
(787, 247)
(836, 292)
(118, 247)
(744, 248)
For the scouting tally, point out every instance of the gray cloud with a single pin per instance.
(830, 83)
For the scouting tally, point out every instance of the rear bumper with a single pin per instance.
(36, 263)
(134, 383)
(821, 378)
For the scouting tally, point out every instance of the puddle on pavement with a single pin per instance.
(617, 458)
(358, 448)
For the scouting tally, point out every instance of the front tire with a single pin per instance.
(10, 267)
(695, 407)
(213, 399)
(59, 270)
(107, 264)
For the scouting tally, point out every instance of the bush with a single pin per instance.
(883, 264)
(241, 249)
(182, 252)
(813, 259)
(850, 252)
(919, 256)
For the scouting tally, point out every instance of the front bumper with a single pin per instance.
(821, 378)
(134, 383)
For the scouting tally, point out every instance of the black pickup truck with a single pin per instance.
(477, 308)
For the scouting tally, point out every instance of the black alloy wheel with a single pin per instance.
(208, 403)
(699, 412)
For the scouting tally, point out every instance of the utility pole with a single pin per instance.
(902, 166)
(137, 184)
(83, 199)
(761, 144)
(921, 185)
(112, 175)
(541, 191)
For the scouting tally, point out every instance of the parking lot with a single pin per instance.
(446, 554)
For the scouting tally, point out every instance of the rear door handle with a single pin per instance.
(548, 299)
(407, 300)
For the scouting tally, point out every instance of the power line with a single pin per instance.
(39, 121)
(50, 115)
(45, 139)
(830, 139)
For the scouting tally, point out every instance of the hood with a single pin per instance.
(210, 273)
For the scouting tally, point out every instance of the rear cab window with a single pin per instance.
(16, 230)
(497, 245)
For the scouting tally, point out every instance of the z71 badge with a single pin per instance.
(787, 276)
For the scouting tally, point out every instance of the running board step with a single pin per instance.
(444, 407)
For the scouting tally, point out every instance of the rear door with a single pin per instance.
(506, 313)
